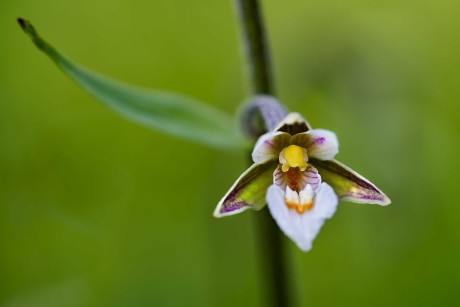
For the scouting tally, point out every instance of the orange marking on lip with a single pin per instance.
(299, 207)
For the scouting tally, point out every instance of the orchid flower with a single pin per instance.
(295, 173)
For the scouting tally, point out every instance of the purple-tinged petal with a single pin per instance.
(293, 123)
(269, 145)
(248, 191)
(302, 228)
(348, 184)
(320, 144)
(296, 179)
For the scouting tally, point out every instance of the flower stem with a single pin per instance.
(271, 252)
(272, 256)
(256, 46)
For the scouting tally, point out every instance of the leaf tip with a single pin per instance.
(26, 26)
(23, 23)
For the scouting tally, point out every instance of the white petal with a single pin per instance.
(326, 202)
(269, 145)
(302, 228)
(320, 144)
(279, 210)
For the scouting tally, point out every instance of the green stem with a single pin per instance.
(273, 261)
(270, 239)
(256, 46)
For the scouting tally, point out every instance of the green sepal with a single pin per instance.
(249, 190)
(348, 184)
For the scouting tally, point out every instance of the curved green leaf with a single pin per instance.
(168, 112)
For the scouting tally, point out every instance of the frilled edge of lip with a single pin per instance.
(302, 228)
(348, 184)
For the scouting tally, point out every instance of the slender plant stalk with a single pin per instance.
(255, 43)
(271, 255)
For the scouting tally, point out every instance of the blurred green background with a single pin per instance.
(98, 211)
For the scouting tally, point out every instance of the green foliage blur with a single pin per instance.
(98, 211)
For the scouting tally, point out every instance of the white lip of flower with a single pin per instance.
(286, 175)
